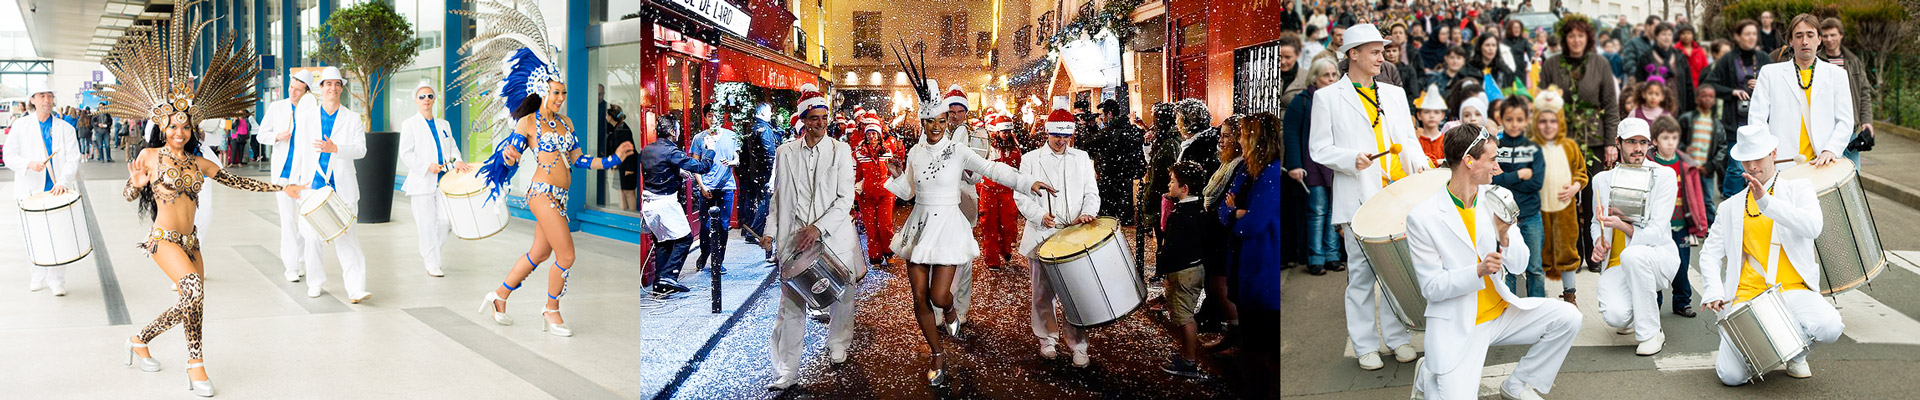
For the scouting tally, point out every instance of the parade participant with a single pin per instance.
(1340, 140)
(999, 219)
(1469, 245)
(721, 146)
(429, 151)
(1522, 168)
(1071, 170)
(281, 125)
(1560, 204)
(1764, 238)
(871, 156)
(165, 179)
(813, 199)
(1646, 260)
(661, 164)
(331, 137)
(957, 122)
(46, 155)
(1183, 262)
(1689, 222)
(937, 240)
(1812, 90)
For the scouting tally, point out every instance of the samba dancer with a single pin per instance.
(429, 151)
(331, 136)
(1365, 158)
(55, 152)
(1770, 229)
(1469, 248)
(813, 199)
(1647, 262)
(1812, 90)
(281, 125)
(1071, 170)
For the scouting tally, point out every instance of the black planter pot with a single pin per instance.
(376, 177)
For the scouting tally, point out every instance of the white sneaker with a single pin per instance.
(356, 299)
(293, 276)
(59, 288)
(1799, 369)
(36, 286)
(1405, 353)
(784, 382)
(1524, 393)
(1049, 350)
(434, 271)
(314, 292)
(1371, 361)
(1081, 359)
(836, 355)
(1652, 346)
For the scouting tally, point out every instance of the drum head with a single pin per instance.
(1074, 241)
(457, 184)
(47, 201)
(314, 199)
(1386, 213)
(1824, 178)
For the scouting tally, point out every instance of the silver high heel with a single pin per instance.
(199, 388)
(559, 329)
(147, 364)
(938, 377)
(498, 317)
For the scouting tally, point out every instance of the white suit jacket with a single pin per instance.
(829, 206)
(1341, 131)
(417, 152)
(279, 119)
(1656, 229)
(24, 146)
(1079, 195)
(1778, 103)
(348, 134)
(1446, 269)
(1797, 221)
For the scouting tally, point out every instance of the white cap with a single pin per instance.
(424, 84)
(1430, 99)
(1630, 127)
(331, 74)
(1359, 35)
(304, 76)
(37, 87)
(1755, 142)
(1477, 102)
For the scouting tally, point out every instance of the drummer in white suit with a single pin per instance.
(45, 155)
(279, 126)
(1806, 103)
(813, 197)
(429, 151)
(1070, 170)
(330, 138)
(1769, 228)
(1636, 266)
(1465, 249)
(1354, 129)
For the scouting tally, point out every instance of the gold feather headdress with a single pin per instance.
(156, 81)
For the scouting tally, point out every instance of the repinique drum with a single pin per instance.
(1501, 202)
(326, 213)
(821, 279)
(1380, 225)
(1631, 186)
(1093, 272)
(1764, 333)
(56, 229)
(473, 216)
(1849, 245)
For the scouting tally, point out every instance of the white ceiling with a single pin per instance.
(82, 29)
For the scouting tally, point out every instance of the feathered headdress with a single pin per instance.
(155, 76)
(517, 36)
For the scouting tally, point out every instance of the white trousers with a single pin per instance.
(1046, 325)
(1818, 321)
(1550, 330)
(962, 295)
(433, 226)
(1627, 290)
(293, 247)
(1362, 311)
(353, 263)
(791, 327)
(48, 275)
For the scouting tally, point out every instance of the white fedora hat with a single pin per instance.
(1359, 35)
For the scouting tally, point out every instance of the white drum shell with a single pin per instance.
(464, 202)
(56, 229)
(1100, 286)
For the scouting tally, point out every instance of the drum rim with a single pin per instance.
(316, 192)
(443, 191)
(23, 207)
(1082, 253)
(352, 218)
(503, 228)
(83, 255)
(1872, 272)
(1117, 318)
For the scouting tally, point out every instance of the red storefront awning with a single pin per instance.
(739, 66)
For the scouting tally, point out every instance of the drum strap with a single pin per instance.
(46, 136)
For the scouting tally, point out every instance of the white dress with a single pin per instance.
(937, 233)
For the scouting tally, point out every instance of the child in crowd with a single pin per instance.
(1651, 101)
(1431, 113)
(1563, 175)
(1520, 167)
(1689, 223)
(1706, 143)
(1191, 233)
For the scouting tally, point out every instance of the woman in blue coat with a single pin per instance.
(1259, 231)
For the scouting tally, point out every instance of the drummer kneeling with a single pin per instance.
(1466, 310)
(1771, 218)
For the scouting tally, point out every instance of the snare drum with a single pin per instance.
(1632, 184)
(1763, 332)
(1089, 266)
(820, 278)
(1849, 245)
(56, 229)
(1380, 225)
(466, 206)
(326, 213)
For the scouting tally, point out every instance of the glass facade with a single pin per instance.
(617, 68)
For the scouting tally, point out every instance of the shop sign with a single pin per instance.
(720, 13)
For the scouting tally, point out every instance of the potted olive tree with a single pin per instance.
(369, 42)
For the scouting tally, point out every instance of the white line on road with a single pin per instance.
(1684, 361)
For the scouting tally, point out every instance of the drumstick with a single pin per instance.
(1390, 150)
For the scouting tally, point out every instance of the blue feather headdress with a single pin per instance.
(517, 35)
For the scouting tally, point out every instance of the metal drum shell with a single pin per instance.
(1765, 334)
(1094, 269)
(1380, 225)
(823, 281)
(1631, 186)
(1849, 245)
(48, 217)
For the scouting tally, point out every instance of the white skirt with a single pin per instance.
(936, 235)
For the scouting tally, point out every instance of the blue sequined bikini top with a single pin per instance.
(554, 141)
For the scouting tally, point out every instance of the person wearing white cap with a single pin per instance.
(280, 126)
(1805, 102)
(330, 137)
(1071, 170)
(1635, 264)
(429, 151)
(45, 154)
(1763, 238)
(813, 199)
(1356, 128)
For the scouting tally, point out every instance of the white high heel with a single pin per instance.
(559, 329)
(147, 364)
(498, 317)
(199, 388)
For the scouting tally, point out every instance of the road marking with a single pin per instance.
(1870, 321)
(1684, 361)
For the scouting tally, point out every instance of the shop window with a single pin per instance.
(953, 34)
(799, 43)
(1044, 30)
(1023, 42)
(982, 43)
(866, 35)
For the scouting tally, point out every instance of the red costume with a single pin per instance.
(1000, 221)
(875, 204)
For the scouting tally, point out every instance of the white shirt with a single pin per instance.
(418, 153)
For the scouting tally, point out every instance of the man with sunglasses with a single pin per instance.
(1635, 265)
(429, 151)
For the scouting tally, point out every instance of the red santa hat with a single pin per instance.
(810, 97)
(869, 121)
(1060, 122)
(954, 96)
(998, 122)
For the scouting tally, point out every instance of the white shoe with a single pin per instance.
(293, 276)
(1799, 369)
(498, 317)
(1080, 359)
(314, 292)
(1371, 361)
(59, 288)
(36, 286)
(784, 382)
(356, 299)
(1405, 353)
(1652, 346)
(1525, 393)
(1624, 330)
(147, 364)
(559, 329)
(836, 355)
(434, 270)
(1049, 350)
(199, 388)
